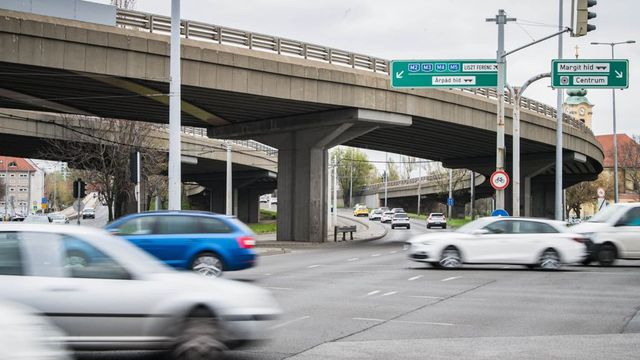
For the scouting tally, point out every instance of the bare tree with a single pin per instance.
(409, 164)
(629, 161)
(580, 194)
(101, 151)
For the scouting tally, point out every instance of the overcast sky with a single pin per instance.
(452, 29)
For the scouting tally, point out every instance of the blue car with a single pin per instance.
(190, 240)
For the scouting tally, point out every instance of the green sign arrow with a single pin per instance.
(444, 73)
(590, 74)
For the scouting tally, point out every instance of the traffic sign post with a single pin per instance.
(499, 180)
(589, 74)
(444, 73)
(450, 202)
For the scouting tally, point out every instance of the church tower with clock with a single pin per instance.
(578, 106)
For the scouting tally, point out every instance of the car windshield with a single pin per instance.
(400, 216)
(436, 215)
(57, 216)
(37, 219)
(88, 209)
(470, 227)
(388, 213)
(607, 213)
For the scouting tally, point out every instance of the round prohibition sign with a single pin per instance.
(499, 180)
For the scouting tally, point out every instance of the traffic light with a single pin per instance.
(580, 16)
(78, 189)
(133, 167)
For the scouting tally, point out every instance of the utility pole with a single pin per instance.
(500, 19)
(175, 171)
(229, 197)
(559, 118)
(386, 176)
(419, 183)
(473, 193)
(351, 183)
(335, 194)
(329, 208)
(450, 192)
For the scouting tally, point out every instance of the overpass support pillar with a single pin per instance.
(248, 205)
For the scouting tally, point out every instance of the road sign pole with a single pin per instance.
(559, 114)
(615, 142)
(450, 192)
(500, 19)
(175, 176)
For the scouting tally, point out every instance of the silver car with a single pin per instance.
(105, 293)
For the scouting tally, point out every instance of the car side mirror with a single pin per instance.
(480, 232)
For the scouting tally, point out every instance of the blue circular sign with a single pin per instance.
(499, 212)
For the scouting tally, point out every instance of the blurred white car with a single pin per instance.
(26, 335)
(400, 220)
(386, 217)
(58, 218)
(436, 219)
(106, 294)
(375, 214)
(614, 233)
(500, 240)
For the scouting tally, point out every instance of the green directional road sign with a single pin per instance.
(444, 73)
(590, 74)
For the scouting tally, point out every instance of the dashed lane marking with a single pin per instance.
(289, 322)
(313, 266)
(415, 278)
(373, 292)
(451, 278)
(389, 293)
(353, 259)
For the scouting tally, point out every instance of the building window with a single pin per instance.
(24, 175)
(13, 175)
(12, 189)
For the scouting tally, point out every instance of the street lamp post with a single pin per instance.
(6, 187)
(615, 134)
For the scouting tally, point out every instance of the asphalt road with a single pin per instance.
(102, 217)
(364, 300)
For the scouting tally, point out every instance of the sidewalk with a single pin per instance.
(266, 244)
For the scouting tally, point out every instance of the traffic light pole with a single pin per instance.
(559, 113)
(78, 185)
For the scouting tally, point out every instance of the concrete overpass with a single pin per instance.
(26, 133)
(241, 85)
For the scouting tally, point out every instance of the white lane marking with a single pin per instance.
(404, 322)
(415, 278)
(392, 252)
(373, 292)
(374, 255)
(353, 259)
(367, 319)
(389, 293)
(423, 323)
(426, 297)
(289, 322)
(313, 266)
(277, 288)
(267, 274)
(451, 278)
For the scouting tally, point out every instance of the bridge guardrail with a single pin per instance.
(251, 144)
(251, 40)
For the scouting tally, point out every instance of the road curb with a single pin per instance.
(386, 231)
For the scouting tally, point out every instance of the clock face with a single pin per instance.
(581, 111)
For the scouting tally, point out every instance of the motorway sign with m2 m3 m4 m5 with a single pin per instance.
(444, 73)
(589, 74)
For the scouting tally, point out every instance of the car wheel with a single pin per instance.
(207, 264)
(451, 258)
(444, 226)
(549, 260)
(392, 227)
(532, 266)
(607, 255)
(408, 227)
(428, 227)
(586, 261)
(199, 338)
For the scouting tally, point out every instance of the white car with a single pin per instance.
(500, 240)
(436, 219)
(58, 218)
(386, 217)
(375, 215)
(400, 220)
(614, 233)
(106, 294)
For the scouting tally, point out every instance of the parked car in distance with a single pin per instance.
(201, 241)
(58, 218)
(400, 220)
(614, 233)
(397, 210)
(273, 200)
(264, 198)
(361, 210)
(500, 240)
(88, 212)
(375, 214)
(386, 217)
(120, 298)
(436, 219)
(37, 219)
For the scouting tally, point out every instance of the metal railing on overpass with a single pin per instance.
(251, 144)
(251, 40)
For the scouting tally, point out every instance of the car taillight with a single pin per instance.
(246, 242)
(581, 240)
